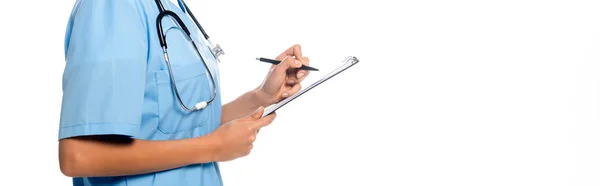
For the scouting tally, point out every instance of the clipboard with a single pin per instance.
(347, 63)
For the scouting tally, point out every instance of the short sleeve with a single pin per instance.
(104, 78)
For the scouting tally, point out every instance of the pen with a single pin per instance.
(276, 62)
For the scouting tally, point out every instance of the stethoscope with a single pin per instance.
(216, 50)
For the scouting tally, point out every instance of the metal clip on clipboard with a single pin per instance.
(348, 62)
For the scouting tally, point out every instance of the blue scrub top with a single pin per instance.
(116, 82)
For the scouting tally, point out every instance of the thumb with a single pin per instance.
(287, 63)
(258, 113)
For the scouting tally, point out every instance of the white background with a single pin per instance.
(476, 92)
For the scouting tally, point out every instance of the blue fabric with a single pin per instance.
(116, 82)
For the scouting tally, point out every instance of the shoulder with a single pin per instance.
(109, 9)
(98, 24)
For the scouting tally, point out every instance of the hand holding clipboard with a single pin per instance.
(348, 62)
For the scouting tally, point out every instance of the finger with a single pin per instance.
(296, 75)
(266, 121)
(291, 81)
(303, 73)
(291, 91)
(300, 75)
(291, 77)
(258, 113)
(295, 50)
(286, 64)
(294, 90)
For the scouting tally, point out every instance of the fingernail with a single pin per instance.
(298, 62)
(291, 81)
(285, 94)
(300, 75)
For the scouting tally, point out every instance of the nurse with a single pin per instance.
(121, 122)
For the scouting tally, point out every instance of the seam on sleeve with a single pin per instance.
(131, 130)
(77, 125)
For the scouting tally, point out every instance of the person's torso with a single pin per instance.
(163, 118)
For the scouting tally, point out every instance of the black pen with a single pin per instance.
(276, 62)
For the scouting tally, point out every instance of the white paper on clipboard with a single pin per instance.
(348, 62)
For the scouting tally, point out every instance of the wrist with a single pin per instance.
(207, 149)
(261, 98)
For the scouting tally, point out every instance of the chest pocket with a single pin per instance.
(192, 80)
(193, 85)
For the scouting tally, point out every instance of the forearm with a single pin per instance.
(81, 157)
(242, 106)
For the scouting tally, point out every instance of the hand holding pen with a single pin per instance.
(286, 74)
(297, 69)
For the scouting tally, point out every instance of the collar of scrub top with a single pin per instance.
(163, 42)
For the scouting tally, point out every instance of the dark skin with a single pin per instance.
(114, 155)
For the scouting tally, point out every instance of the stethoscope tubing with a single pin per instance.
(163, 42)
